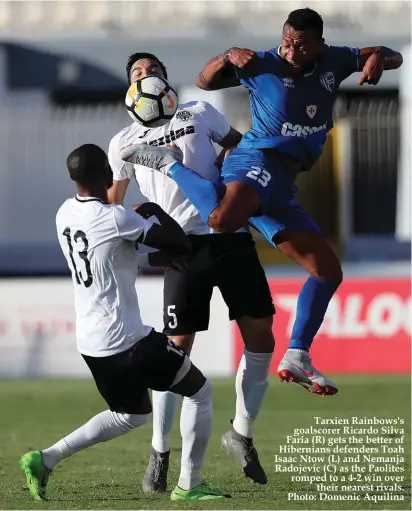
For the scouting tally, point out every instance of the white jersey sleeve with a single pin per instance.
(218, 125)
(130, 225)
(121, 169)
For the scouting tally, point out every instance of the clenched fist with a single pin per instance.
(241, 57)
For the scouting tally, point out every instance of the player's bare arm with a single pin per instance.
(375, 60)
(161, 259)
(117, 192)
(167, 236)
(219, 72)
(229, 142)
(232, 139)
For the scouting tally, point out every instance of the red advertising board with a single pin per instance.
(367, 327)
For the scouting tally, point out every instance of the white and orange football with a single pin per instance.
(151, 101)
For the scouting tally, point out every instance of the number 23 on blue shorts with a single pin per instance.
(261, 170)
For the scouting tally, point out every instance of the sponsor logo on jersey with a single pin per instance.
(328, 80)
(144, 134)
(297, 130)
(311, 110)
(288, 82)
(173, 135)
(184, 115)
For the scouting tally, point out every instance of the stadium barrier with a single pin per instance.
(367, 328)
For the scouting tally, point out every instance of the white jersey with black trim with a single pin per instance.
(99, 242)
(194, 128)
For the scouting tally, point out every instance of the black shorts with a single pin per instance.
(228, 261)
(124, 379)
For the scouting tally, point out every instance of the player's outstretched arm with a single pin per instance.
(117, 192)
(168, 236)
(373, 61)
(219, 72)
(161, 259)
(158, 259)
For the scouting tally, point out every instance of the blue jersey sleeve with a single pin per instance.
(346, 60)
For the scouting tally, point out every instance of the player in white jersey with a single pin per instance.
(126, 358)
(228, 261)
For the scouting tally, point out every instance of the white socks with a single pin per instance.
(251, 384)
(164, 408)
(100, 428)
(195, 428)
(195, 421)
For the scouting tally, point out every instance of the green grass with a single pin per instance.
(36, 414)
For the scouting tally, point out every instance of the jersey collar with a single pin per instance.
(88, 199)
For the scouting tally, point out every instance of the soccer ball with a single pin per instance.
(151, 101)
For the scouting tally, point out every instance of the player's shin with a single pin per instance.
(100, 428)
(312, 304)
(204, 194)
(164, 408)
(195, 427)
(251, 385)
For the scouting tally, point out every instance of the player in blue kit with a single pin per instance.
(292, 90)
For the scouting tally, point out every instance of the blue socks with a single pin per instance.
(203, 194)
(313, 301)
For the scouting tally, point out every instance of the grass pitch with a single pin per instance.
(35, 414)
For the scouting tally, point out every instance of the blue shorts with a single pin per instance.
(266, 173)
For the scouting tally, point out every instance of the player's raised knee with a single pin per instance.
(330, 270)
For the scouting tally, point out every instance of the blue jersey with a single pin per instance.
(293, 112)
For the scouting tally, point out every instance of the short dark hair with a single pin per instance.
(86, 164)
(306, 19)
(137, 56)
